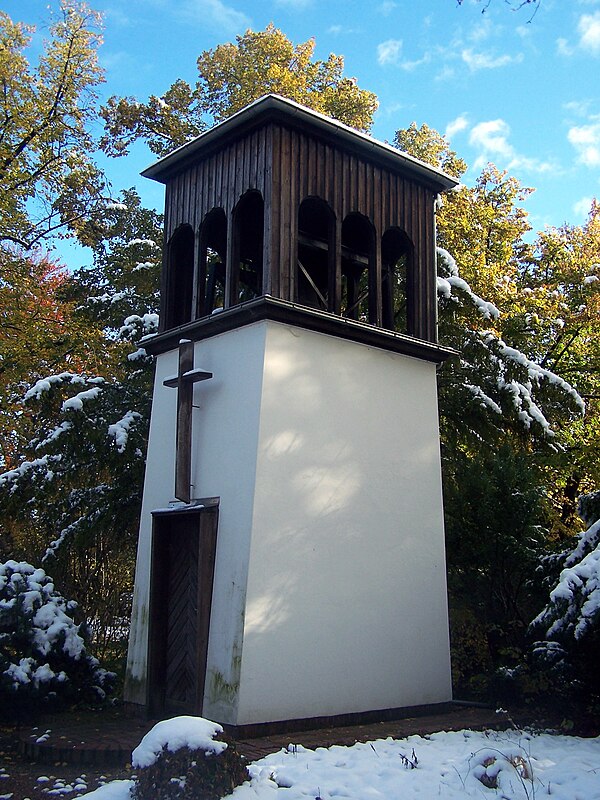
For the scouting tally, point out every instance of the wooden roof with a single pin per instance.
(272, 107)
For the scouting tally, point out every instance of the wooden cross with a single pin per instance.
(184, 382)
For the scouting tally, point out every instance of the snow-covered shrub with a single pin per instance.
(186, 758)
(73, 494)
(568, 628)
(43, 659)
(497, 769)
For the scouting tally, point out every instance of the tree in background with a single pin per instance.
(50, 187)
(34, 333)
(512, 422)
(72, 498)
(500, 421)
(74, 387)
(510, 413)
(230, 77)
(428, 145)
(568, 628)
(557, 317)
(50, 183)
(124, 278)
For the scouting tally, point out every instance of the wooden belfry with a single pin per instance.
(281, 202)
(299, 275)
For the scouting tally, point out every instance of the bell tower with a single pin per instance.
(291, 555)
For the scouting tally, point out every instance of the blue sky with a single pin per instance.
(523, 93)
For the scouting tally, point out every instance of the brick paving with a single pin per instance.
(93, 738)
(457, 718)
(107, 738)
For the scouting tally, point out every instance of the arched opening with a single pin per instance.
(247, 262)
(358, 254)
(180, 280)
(315, 276)
(396, 259)
(213, 255)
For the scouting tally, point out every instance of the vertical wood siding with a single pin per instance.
(288, 164)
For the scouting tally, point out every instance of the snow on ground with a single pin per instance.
(511, 765)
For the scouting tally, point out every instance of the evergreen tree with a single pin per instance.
(506, 412)
(73, 496)
(521, 317)
(568, 628)
(39, 333)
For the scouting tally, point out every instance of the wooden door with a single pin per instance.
(183, 560)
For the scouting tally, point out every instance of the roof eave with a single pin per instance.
(166, 167)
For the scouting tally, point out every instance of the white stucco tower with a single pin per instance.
(291, 555)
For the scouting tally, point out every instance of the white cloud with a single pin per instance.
(118, 18)
(409, 66)
(389, 109)
(588, 29)
(116, 60)
(298, 5)
(563, 48)
(387, 7)
(578, 107)
(586, 141)
(582, 207)
(490, 139)
(337, 30)
(476, 61)
(216, 15)
(481, 31)
(389, 52)
(589, 33)
(457, 125)
(447, 73)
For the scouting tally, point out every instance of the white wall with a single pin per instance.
(346, 599)
(225, 445)
(330, 592)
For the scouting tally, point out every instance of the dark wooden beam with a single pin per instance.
(293, 314)
(184, 382)
(320, 244)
